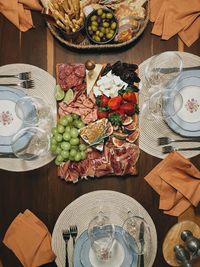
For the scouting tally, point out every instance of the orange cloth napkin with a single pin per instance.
(176, 16)
(30, 240)
(17, 12)
(177, 181)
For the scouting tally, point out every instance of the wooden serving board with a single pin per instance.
(173, 238)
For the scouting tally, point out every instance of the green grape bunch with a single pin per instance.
(66, 143)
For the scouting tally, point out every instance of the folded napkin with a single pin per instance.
(30, 240)
(172, 17)
(177, 181)
(17, 12)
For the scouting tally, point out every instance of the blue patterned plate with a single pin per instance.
(186, 121)
(10, 124)
(123, 256)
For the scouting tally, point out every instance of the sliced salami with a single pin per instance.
(79, 70)
(68, 69)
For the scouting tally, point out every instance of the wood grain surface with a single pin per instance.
(173, 238)
(41, 190)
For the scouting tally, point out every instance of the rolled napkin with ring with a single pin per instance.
(18, 12)
(30, 240)
(177, 181)
(176, 17)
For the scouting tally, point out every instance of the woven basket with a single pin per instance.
(86, 45)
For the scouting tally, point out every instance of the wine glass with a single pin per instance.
(34, 111)
(30, 143)
(101, 234)
(136, 229)
(163, 70)
(162, 104)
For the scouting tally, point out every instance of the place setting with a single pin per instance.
(169, 104)
(27, 115)
(108, 232)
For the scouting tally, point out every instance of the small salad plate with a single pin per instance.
(121, 255)
(186, 121)
(10, 124)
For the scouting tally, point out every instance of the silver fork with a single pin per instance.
(166, 140)
(25, 84)
(66, 237)
(168, 149)
(21, 76)
(73, 232)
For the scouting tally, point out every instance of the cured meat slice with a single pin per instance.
(79, 70)
(68, 69)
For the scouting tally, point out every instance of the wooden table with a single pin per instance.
(41, 190)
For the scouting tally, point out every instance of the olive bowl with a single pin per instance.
(101, 26)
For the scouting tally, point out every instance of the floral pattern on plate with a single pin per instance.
(192, 105)
(6, 117)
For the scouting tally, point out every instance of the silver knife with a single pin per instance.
(171, 70)
(7, 156)
(141, 239)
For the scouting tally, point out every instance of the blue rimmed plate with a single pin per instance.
(186, 121)
(10, 124)
(123, 256)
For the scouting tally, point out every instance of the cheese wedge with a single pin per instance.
(92, 76)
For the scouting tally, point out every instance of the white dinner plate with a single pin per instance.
(10, 124)
(186, 121)
(121, 255)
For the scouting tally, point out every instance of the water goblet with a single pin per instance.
(30, 143)
(136, 229)
(162, 70)
(162, 104)
(34, 111)
(101, 234)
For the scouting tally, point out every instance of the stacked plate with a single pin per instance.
(187, 121)
(10, 123)
(121, 255)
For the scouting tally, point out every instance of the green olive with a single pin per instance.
(103, 30)
(113, 25)
(89, 28)
(97, 38)
(100, 12)
(111, 31)
(97, 32)
(94, 28)
(103, 15)
(107, 30)
(94, 23)
(109, 35)
(93, 18)
(109, 15)
(101, 34)
(106, 24)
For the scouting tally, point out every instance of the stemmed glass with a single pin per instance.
(34, 111)
(136, 229)
(159, 92)
(161, 105)
(163, 70)
(101, 234)
(30, 143)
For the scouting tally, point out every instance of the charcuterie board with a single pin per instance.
(97, 130)
(131, 17)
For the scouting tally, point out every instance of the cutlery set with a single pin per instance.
(24, 77)
(71, 232)
(168, 148)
